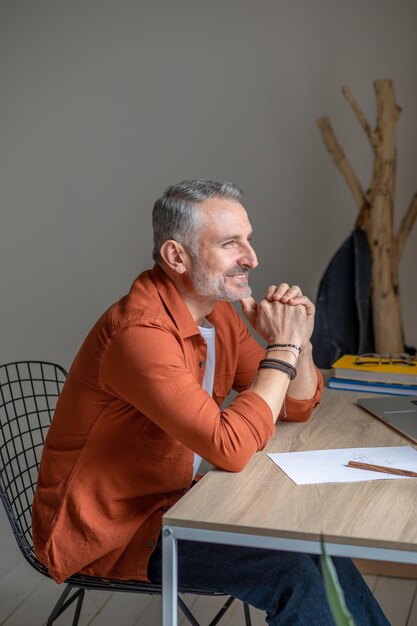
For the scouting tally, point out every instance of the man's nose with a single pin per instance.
(249, 257)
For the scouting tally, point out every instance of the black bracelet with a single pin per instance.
(283, 366)
(284, 345)
(291, 373)
(272, 360)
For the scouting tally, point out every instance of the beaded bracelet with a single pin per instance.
(284, 345)
(282, 366)
(269, 349)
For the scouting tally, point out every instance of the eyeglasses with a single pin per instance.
(386, 359)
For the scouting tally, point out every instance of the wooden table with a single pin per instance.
(262, 507)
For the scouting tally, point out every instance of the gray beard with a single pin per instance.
(216, 288)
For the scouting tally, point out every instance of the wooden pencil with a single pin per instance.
(381, 468)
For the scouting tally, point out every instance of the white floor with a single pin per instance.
(26, 598)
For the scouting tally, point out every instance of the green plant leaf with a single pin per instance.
(334, 592)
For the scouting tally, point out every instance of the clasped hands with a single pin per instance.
(284, 315)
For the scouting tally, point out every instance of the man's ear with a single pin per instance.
(174, 255)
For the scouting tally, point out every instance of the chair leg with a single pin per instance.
(78, 594)
(184, 608)
(222, 611)
(63, 603)
(246, 610)
(216, 619)
(78, 607)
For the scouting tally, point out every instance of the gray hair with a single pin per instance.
(176, 214)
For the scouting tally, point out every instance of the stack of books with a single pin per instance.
(374, 376)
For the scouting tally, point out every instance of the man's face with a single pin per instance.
(219, 270)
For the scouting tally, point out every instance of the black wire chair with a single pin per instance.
(28, 394)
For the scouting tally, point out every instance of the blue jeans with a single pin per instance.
(288, 586)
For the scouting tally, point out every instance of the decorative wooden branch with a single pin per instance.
(376, 210)
(361, 117)
(407, 224)
(341, 161)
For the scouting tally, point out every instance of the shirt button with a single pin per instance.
(202, 364)
(150, 543)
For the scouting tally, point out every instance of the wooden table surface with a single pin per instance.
(262, 500)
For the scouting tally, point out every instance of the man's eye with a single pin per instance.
(228, 244)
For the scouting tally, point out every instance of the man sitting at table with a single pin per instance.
(140, 409)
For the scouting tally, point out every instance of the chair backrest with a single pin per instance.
(29, 392)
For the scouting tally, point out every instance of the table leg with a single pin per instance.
(169, 578)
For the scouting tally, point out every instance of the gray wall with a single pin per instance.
(105, 103)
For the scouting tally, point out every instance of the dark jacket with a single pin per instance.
(343, 322)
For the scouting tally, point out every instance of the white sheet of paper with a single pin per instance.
(330, 466)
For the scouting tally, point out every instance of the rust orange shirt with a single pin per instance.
(131, 415)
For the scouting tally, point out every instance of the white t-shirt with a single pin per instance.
(208, 332)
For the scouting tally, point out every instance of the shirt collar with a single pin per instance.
(175, 305)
